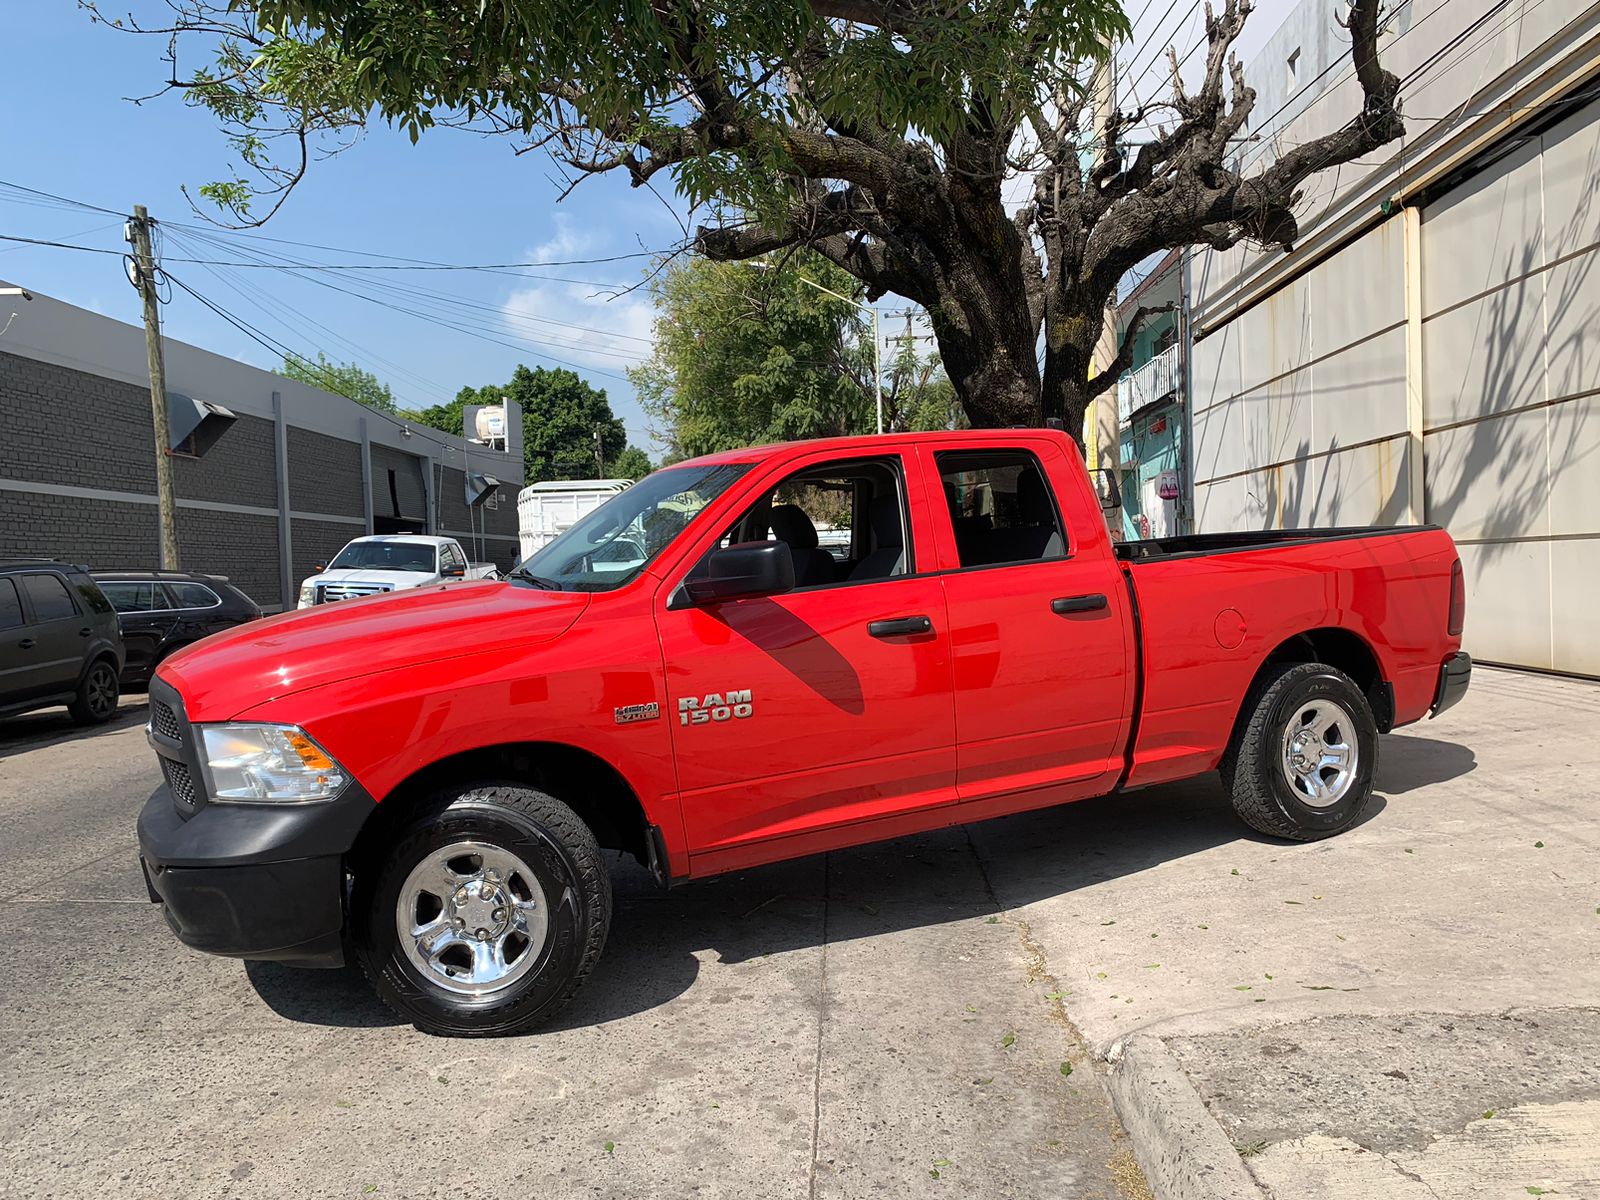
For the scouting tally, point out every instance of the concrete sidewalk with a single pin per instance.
(1409, 1009)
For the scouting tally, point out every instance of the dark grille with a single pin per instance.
(180, 781)
(165, 721)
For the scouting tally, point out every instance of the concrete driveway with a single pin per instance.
(869, 1024)
(897, 1020)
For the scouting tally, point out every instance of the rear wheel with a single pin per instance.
(1301, 765)
(486, 915)
(98, 692)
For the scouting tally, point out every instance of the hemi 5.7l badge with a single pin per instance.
(629, 713)
(715, 706)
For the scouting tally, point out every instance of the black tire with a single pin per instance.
(98, 693)
(1254, 770)
(560, 852)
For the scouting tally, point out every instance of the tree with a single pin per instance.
(745, 356)
(633, 463)
(561, 414)
(343, 379)
(879, 133)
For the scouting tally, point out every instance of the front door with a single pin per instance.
(824, 706)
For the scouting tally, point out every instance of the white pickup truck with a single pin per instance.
(389, 563)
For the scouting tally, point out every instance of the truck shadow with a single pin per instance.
(659, 942)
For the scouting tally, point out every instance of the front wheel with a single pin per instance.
(98, 692)
(1302, 763)
(487, 915)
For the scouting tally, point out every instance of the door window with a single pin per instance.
(193, 595)
(1001, 508)
(844, 522)
(10, 605)
(450, 556)
(131, 597)
(49, 596)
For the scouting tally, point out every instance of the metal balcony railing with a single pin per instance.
(1155, 380)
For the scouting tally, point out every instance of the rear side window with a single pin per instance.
(51, 600)
(91, 595)
(131, 597)
(10, 605)
(1001, 508)
(192, 595)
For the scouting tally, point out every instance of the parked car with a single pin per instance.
(163, 611)
(370, 566)
(430, 780)
(59, 642)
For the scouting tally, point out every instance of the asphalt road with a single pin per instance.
(866, 1024)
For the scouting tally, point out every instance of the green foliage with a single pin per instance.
(560, 414)
(343, 379)
(620, 66)
(633, 463)
(745, 356)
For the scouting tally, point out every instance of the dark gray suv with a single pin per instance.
(59, 641)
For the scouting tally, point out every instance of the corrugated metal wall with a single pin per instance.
(1300, 402)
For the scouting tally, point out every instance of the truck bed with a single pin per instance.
(1195, 544)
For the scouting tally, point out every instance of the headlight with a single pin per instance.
(308, 594)
(267, 764)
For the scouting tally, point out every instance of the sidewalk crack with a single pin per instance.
(822, 1012)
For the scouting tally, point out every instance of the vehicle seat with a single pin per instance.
(1034, 536)
(812, 564)
(888, 540)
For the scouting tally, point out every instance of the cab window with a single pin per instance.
(844, 522)
(1001, 508)
(10, 604)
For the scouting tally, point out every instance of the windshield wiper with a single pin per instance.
(538, 581)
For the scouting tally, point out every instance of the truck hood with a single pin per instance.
(228, 672)
(394, 579)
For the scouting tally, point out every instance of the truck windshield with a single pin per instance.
(615, 542)
(386, 556)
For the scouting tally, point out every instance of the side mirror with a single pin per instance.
(740, 571)
(1105, 488)
(318, 568)
(452, 573)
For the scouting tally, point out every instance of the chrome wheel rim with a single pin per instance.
(472, 918)
(102, 690)
(1320, 754)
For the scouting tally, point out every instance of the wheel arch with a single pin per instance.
(581, 779)
(1337, 647)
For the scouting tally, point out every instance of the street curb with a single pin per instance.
(1179, 1145)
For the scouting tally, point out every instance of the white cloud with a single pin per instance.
(588, 323)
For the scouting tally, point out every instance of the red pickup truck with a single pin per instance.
(692, 675)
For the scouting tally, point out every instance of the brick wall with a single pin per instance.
(324, 474)
(58, 425)
(458, 520)
(317, 542)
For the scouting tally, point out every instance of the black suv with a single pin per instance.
(163, 610)
(59, 641)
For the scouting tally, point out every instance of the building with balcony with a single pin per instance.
(1150, 413)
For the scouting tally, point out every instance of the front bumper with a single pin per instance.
(253, 881)
(1455, 676)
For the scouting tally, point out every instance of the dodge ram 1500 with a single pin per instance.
(426, 780)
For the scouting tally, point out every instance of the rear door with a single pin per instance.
(825, 706)
(1041, 638)
(145, 618)
(59, 632)
(18, 660)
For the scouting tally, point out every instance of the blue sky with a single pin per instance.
(452, 198)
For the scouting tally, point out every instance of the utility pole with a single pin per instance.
(599, 455)
(145, 267)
